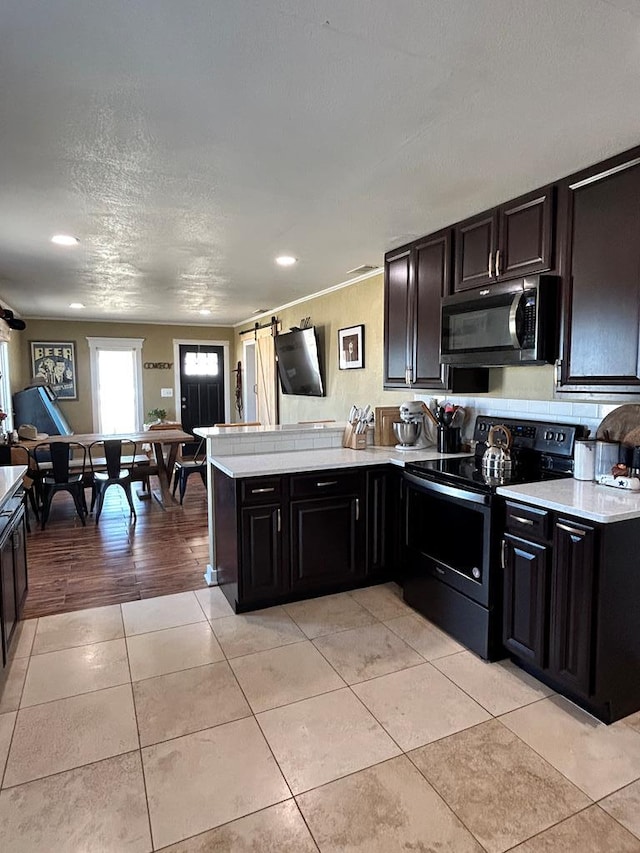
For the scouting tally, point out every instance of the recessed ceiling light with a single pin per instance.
(76, 305)
(64, 240)
(204, 311)
(286, 260)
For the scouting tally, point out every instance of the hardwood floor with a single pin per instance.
(72, 567)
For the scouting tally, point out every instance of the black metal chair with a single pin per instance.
(185, 467)
(112, 462)
(55, 474)
(15, 454)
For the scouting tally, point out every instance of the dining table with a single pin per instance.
(165, 444)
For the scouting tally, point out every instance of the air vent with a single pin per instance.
(362, 270)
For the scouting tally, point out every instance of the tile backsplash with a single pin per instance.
(587, 414)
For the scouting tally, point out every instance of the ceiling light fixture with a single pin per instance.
(286, 260)
(64, 240)
(76, 305)
(204, 311)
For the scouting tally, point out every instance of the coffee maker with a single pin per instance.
(412, 412)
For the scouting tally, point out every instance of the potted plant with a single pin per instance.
(159, 415)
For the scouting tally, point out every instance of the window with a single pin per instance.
(201, 364)
(5, 386)
(116, 384)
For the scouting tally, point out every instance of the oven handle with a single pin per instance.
(449, 491)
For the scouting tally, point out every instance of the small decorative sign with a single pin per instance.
(55, 362)
(158, 365)
(351, 347)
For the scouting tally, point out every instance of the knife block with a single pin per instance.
(353, 440)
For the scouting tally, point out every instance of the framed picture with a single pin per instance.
(55, 362)
(351, 347)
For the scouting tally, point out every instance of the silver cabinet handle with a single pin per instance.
(262, 491)
(279, 519)
(484, 292)
(498, 262)
(322, 483)
(490, 264)
(572, 530)
(522, 520)
(503, 554)
(558, 372)
(357, 509)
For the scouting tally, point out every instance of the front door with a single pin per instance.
(201, 385)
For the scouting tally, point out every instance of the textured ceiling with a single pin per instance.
(188, 143)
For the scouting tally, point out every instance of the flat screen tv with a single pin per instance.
(299, 363)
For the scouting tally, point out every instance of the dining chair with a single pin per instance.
(55, 474)
(15, 454)
(185, 466)
(112, 461)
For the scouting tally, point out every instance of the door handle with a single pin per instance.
(574, 531)
(278, 520)
(503, 554)
(498, 262)
(357, 509)
(490, 264)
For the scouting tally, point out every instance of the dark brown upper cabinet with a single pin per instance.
(416, 279)
(599, 214)
(512, 240)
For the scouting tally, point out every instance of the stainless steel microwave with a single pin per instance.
(515, 322)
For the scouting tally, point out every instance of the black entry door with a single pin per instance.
(201, 385)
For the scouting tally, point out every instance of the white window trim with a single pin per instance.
(135, 344)
(5, 385)
(227, 372)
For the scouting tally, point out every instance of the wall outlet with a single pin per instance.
(166, 392)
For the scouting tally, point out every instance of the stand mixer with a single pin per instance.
(413, 430)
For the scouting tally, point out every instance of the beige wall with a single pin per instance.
(157, 346)
(362, 302)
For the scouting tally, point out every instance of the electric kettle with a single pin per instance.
(496, 461)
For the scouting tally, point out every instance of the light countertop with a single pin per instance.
(581, 498)
(10, 476)
(294, 461)
(288, 429)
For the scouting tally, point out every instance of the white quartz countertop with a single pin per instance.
(278, 429)
(581, 498)
(10, 476)
(294, 461)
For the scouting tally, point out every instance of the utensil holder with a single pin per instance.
(353, 440)
(449, 439)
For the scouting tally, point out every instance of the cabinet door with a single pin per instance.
(20, 560)
(9, 613)
(572, 604)
(526, 599)
(262, 575)
(382, 488)
(525, 243)
(601, 272)
(432, 269)
(327, 542)
(475, 241)
(397, 318)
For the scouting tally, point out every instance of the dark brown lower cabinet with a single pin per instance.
(527, 567)
(281, 538)
(327, 542)
(13, 572)
(572, 606)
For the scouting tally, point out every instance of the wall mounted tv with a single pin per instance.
(299, 363)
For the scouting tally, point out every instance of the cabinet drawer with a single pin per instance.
(322, 484)
(261, 490)
(528, 522)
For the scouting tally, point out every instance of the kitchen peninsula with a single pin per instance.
(13, 554)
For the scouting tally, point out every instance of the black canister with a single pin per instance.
(449, 439)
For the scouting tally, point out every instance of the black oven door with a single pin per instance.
(447, 534)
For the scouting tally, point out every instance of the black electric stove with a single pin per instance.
(541, 451)
(454, 522)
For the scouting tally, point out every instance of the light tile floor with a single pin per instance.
(345, 724)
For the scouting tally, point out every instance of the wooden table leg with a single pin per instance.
(165, 470)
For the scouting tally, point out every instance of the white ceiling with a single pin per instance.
(188, 142)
